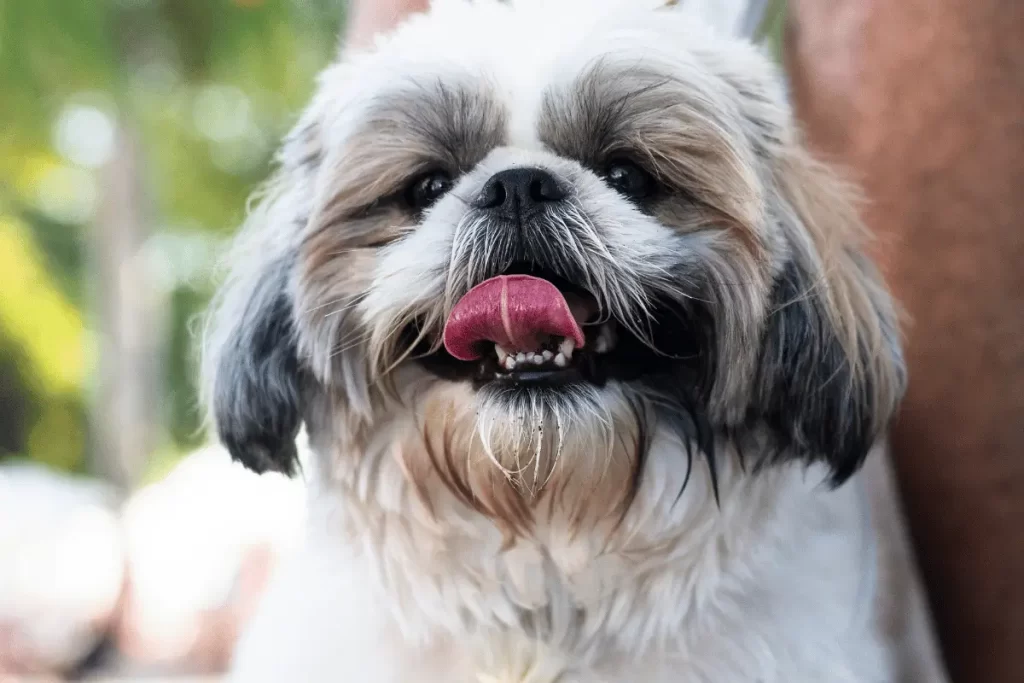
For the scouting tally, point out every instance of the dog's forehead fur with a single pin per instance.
(522, 54)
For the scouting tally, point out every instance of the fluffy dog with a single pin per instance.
(588, 354)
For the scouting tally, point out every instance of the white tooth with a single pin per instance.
(529, 356)
(520, 357)
(605, 339)
(537, 358)
(547, 355)
(510, 363)
(502, 353)
(560, 361)
(566, 347)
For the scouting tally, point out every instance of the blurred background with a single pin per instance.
(133, 131)
(131, 134)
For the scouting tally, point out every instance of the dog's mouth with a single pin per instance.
(530, 326)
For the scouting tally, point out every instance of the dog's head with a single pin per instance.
(548, 235)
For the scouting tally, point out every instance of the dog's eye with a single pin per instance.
(629, 179)
(427, 189)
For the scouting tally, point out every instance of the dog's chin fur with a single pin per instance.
(676, 512)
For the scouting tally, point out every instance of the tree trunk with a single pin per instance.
(129, 321)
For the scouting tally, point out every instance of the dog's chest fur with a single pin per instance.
(773, 580)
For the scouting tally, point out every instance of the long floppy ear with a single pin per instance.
(831, 369)
(254, 385)
(257, 391)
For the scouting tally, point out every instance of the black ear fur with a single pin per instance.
(813, 404)
(259, 386)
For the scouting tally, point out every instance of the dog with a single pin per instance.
(589, 354)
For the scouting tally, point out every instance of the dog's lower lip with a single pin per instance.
(538, 377)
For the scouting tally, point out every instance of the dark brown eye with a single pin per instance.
(629, 179)
(427, 189)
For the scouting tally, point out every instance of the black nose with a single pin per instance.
(515, 193)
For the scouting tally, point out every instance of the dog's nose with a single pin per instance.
(518, 192)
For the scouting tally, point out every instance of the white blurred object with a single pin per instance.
(61, 567)
(200, 543)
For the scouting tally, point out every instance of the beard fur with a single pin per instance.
(526, 457)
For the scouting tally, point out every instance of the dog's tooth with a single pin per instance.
(566, 348)
(529, 357)
(502, 353)
(560, 361)
(547, 355)
(536, 358)
(510, 362)
(520, 357)
(605, 339)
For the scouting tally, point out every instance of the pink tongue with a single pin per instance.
(513, 311)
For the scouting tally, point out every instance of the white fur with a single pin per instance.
(777, 582)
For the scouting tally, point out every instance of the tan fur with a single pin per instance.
(516, 480)
(852, 291)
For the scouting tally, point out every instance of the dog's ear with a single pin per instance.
(831, 371)
(257, 392)
(254, 385)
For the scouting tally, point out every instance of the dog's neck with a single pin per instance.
(558, 581)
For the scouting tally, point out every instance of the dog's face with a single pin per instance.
(542, 238)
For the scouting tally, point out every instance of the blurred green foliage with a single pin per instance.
(208, 86)
(773, 27)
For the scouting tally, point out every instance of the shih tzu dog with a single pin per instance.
(589, 358)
